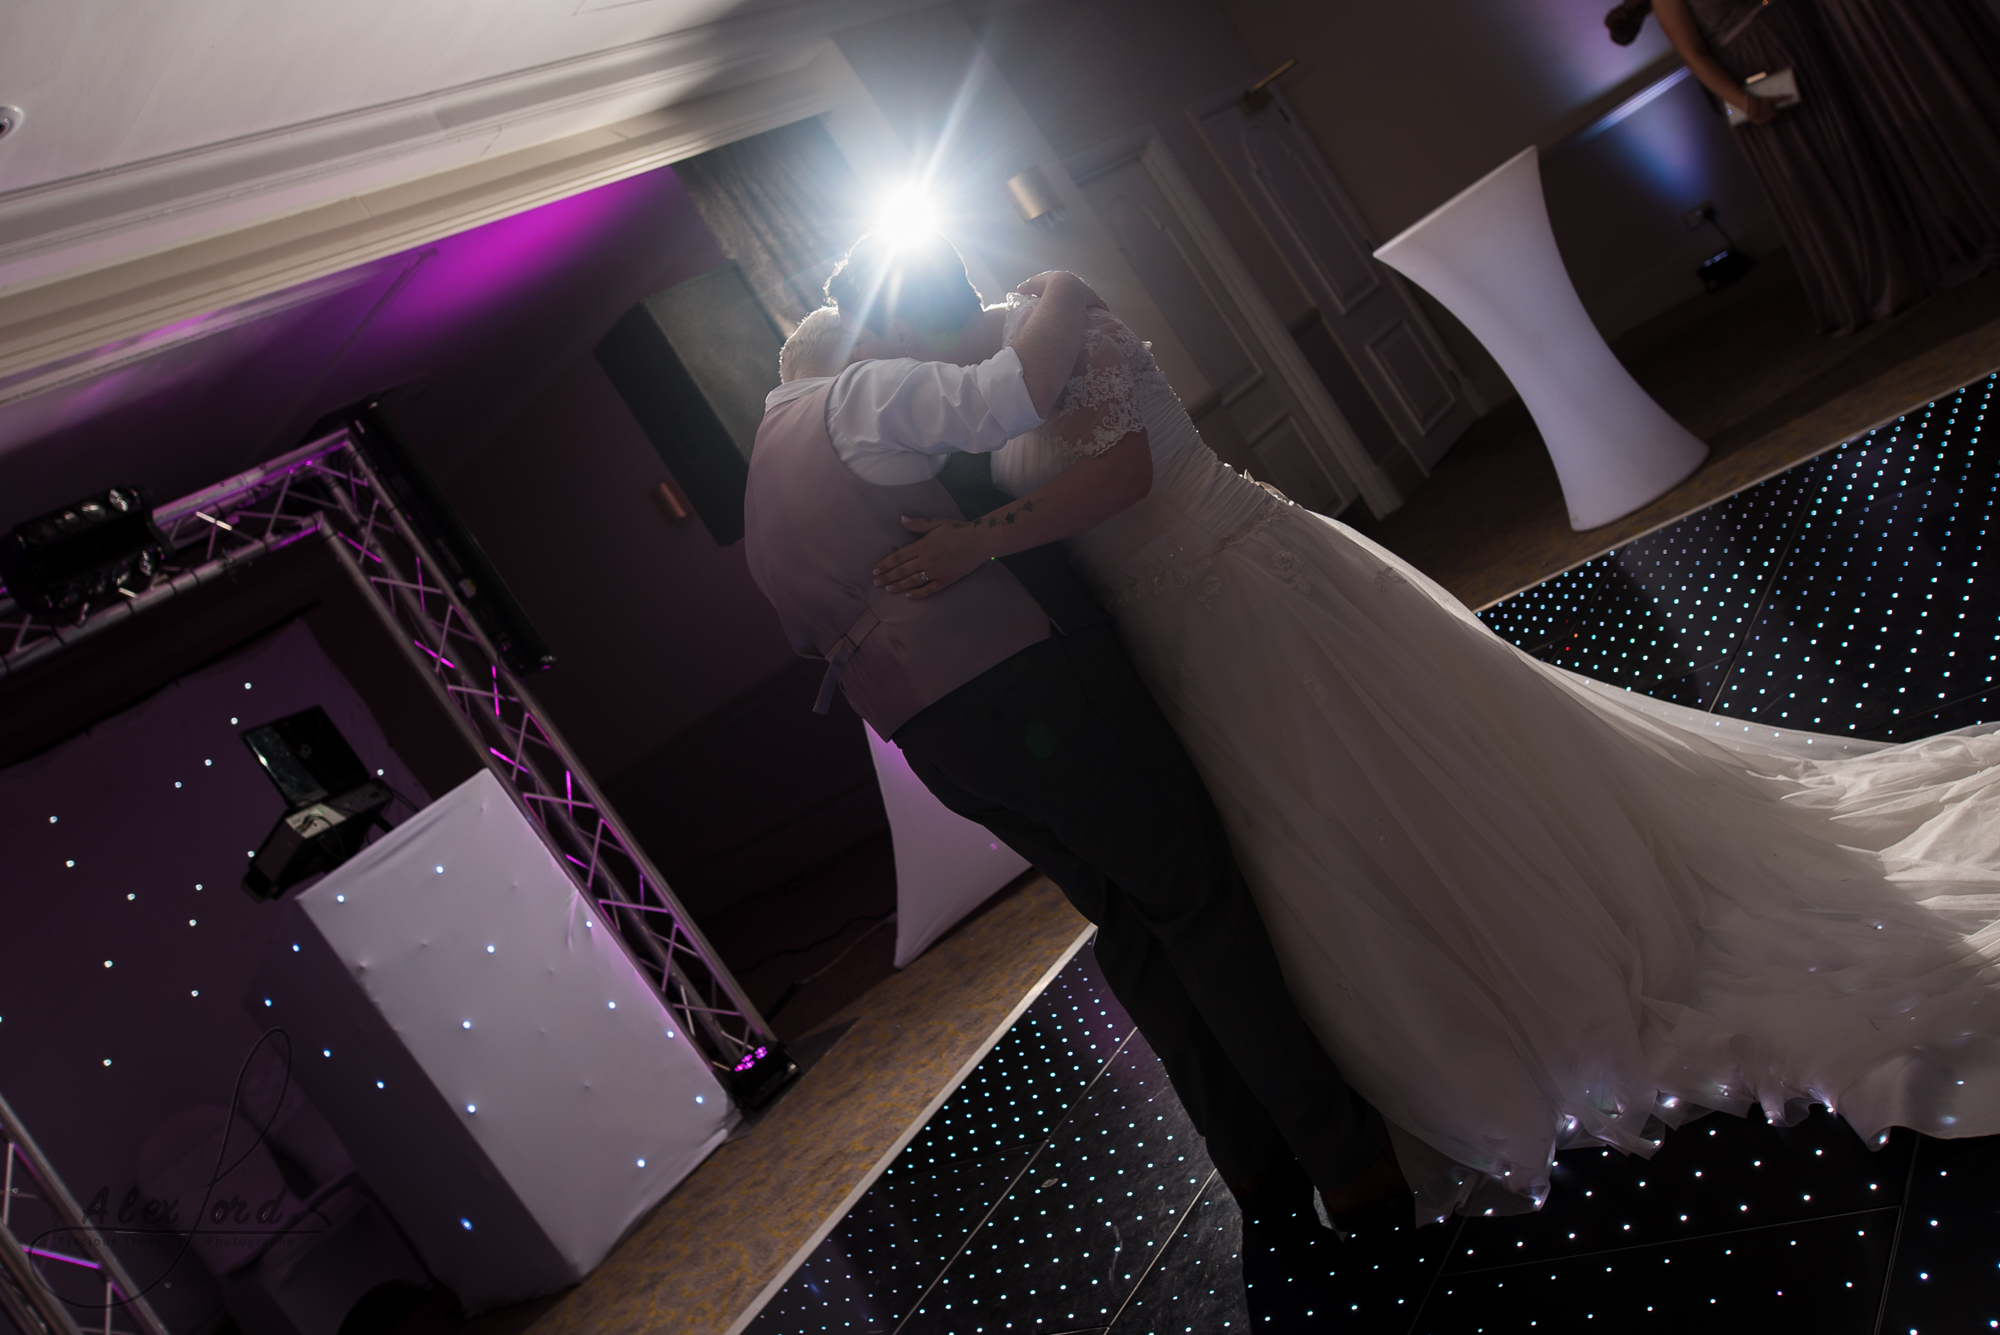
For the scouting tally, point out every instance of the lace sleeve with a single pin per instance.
(1100, 405)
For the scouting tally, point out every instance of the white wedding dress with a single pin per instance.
(1525, 910)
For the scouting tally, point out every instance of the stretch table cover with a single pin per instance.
(1489, 256)
(506, 1079)
(946, 866)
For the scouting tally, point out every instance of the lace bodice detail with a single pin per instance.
(1198, 506)
(1100, 405)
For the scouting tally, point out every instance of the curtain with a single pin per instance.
(785, 206)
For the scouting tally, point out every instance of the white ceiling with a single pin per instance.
(230, 112)
(108, 83)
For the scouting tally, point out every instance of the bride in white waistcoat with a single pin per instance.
(1524, 910)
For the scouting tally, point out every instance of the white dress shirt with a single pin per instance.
(896, 421)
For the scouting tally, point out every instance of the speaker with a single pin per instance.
(433, 516)
(693, 364)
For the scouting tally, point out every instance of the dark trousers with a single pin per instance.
(1062, 752)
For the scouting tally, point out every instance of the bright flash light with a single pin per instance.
(907, 211)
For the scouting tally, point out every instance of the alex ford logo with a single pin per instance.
(154, 1212)
(151, 1236)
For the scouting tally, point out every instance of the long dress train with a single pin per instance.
(1524, 910)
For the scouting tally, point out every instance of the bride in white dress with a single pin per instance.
(1524, 910)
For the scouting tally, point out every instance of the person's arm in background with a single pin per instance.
(1679, 26)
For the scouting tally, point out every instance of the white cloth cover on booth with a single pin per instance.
(1489, 256)
(946, 866)
(505, 1077)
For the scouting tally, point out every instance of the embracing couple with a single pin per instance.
(1402, 910)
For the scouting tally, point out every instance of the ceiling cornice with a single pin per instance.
(63, 327)
(61, 229)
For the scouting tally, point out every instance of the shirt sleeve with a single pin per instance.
(905, 407)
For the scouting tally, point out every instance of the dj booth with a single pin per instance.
(500, 1070)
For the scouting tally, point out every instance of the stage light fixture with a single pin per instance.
(1725, 266)
(57, 563)
(907, 212)
(759, 1075)
(331, 802)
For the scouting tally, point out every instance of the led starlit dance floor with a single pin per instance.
(1061, 1190)
(1852, 595)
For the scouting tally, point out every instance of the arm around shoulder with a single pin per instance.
(1052, 335)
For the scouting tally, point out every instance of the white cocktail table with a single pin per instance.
(946, 866)
(1489, 256)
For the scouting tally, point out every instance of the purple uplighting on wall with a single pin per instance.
(467, 328)
(475, 273)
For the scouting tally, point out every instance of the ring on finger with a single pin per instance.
(923, 577)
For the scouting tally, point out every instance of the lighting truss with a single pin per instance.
(326, 491)
(50, 1251)
(208, 534)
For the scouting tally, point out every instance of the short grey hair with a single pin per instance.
(814, 349)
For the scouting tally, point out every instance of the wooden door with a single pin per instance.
(1374, 318)
(1251, 418)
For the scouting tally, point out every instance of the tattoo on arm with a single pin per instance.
(997, 518)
